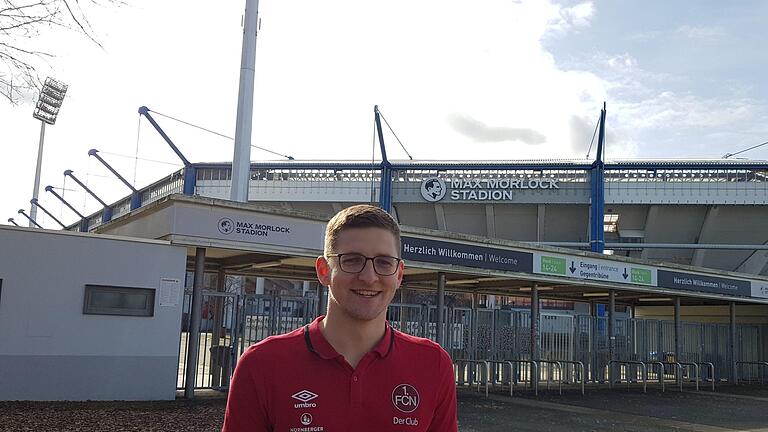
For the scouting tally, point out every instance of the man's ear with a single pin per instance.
(400, 271)
(323, 270)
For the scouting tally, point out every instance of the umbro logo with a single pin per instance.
(304, 396)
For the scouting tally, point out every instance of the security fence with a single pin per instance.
(230, 323)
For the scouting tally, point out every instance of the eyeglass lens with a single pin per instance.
(355, 263)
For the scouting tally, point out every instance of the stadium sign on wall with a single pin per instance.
(705, 283)
(434, 189)
(593, 269)
(577, 267)
(248, 227)
(442, 252)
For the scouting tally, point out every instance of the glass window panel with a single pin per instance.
(126, 301)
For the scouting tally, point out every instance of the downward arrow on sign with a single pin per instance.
(572, 268)
(625, 273)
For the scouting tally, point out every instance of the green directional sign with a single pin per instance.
(553, 265)
(641, 276)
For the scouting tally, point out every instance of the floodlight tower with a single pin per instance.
(46, 110)
(241, 160)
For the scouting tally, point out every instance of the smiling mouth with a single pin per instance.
(366, 294)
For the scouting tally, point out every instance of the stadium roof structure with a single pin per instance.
(701, 212)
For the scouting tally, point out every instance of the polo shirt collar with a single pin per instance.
(317, 343)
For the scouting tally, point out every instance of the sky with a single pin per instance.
(456, 80)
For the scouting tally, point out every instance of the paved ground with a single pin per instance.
(742, 408)
(702, 409)
(477, 414)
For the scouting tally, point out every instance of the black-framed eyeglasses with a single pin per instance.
(354, 262)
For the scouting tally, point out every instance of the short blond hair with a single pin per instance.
(360, 216)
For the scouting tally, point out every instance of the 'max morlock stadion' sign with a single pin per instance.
(434, 189)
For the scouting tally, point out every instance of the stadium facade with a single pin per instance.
(619, 253)
(665, 219)
(704, 213)
(536, 261)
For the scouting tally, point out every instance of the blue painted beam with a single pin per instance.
(385, 186)
(597, 189)
(145, 112)
(189, 169)
(106, 213)
(83, 220)
(36, 203)
(135, 195)
(34, 222)
(190, 178)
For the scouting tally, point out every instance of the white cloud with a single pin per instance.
(622, 63)
(668, 110)
(701, 32)
(669, 123)
(574, 17)
(646, 117)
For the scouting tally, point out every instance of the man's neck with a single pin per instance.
(350, 337)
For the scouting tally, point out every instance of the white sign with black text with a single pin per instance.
(170, 292)
(760, 289)
(249, 227)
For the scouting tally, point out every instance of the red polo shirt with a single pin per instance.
(297, 382)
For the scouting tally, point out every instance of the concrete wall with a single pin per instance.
(50, 350)
(745, 314)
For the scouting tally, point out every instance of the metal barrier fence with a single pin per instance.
(230, 323)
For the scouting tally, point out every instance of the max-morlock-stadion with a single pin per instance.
(576, 272)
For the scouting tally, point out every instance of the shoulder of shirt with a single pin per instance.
(278, 344)
(418, 343)
(413, 346)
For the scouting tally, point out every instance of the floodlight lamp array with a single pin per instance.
(50, 100)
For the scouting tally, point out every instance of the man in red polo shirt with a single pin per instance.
(349, 370)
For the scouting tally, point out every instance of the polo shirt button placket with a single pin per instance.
(355, 390)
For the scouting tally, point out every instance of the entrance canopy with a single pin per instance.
(248, 239)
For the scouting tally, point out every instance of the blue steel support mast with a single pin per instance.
(83, 219)
(106, 214)
(385, 187)
(597, 187)
(189, 168)
(135, 194)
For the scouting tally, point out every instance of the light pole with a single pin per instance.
(46, 110)
(241, 160)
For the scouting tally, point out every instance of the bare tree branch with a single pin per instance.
(22, 22)
(79, 24)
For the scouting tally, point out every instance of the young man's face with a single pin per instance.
(361, 296)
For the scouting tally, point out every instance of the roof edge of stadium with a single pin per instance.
(446, 164)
